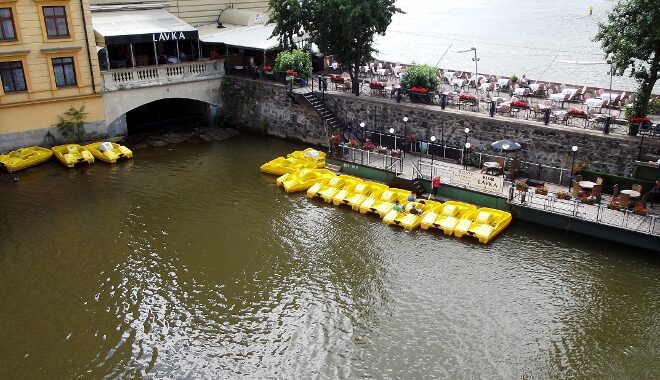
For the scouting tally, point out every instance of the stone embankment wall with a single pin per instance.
(265, 107)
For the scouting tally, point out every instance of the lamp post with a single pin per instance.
(432, 141)
(574, 149)
(392, 132)
(467, 147)
(362, 125)
(405, 134)
(476, 70)
(467, 132)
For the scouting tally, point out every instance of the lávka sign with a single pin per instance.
(477, 181)
(168, 36)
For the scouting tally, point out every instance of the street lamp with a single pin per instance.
(574, 149)
(467, 147)
(362, 125)
(467, 132)
(476, 71)
(405, 133)
(432, 140)
(610, 62)
(392, 132)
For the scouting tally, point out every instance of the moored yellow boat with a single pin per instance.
(72, 154)
(303, 179)
(362, 192)
(340, 193)
(445, 216)
(383, 207)
(484, 224)
(281, 166)
(108, 152)
(309, 154)
(327, 188)
(24, 158)
(413, 215)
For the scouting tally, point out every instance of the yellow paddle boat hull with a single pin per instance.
(310, 154)
(303, 180)
(408, 219)
(24, 158)
(281, 166)
(445, 217)
(329, 194)
(72, 154)
(384, 207)
(484, 224)
(334, 184)
(108, 152)
(358, 197)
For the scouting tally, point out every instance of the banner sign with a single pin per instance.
(478, 181)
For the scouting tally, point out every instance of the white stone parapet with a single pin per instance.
(122, 79)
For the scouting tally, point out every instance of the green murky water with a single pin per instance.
(189, 263)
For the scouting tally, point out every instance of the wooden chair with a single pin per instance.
(575, 189)
(596, 192)
(578, 178)
(515, 168)
(637, 187)
(624, 200)
(599, 181)
(615, 192)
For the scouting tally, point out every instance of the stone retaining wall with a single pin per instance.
(265, 107)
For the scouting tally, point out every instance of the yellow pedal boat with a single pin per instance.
(412, 217)
(24, 158)
(484, 224)
(72, 154)
(328, 189)
(445, 217)
(349, 185)
(281, 166)
(303, 180)
(383, 207)
(362, 192)
(108, 152)
(375, 198)
(309, 154)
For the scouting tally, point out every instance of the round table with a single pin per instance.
(632, 193)
(586, 184)
(492, 166)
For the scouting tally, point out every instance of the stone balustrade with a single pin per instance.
(121, 79)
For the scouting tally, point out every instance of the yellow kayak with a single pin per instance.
(309, 154)
(281, 166)
(303, 180)
(445, 216)
(72, 154)
(484, 224)
(108, 152)
(23, 158)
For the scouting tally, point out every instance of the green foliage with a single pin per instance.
(631, 37)
(420, 76)
(654, 106)
(72, 124)
(297, 60)
(221, 118)
(288, 17)
(343, 28)
(514, 78)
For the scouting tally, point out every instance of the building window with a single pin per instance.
(13, 78)
(56, 24)
(7, 30)
(65, 74)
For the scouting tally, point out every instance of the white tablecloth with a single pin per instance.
(480, 78)
(569, 91)
(503, 82)
(457, 82)
(593, 103)
(485, 86)
(557, 97)
(381, 71)
(606, 96)
(519, 91)
(448, 75)
(534, 87)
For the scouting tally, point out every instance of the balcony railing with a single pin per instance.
(121, 79)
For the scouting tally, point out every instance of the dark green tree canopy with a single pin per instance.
(288, 17)
(631, 37)
(343, 28)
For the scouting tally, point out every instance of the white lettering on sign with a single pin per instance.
(478, 181)
(169, 36)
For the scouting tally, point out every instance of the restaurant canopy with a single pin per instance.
(140, 25)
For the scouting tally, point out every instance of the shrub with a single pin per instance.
(563, 195)
(72, 124)
(423, 76)
(295, 60)
(541, 190)
(514, 78)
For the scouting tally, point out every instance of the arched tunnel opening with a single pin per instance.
(166, 115)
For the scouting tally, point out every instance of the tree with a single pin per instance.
(631, 36)
(72, 124)
(343, 28)
(288, 16)
(296, 60)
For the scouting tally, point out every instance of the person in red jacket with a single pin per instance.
(436, 184)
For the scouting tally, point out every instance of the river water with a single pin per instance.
(535, 37)
(188, 263)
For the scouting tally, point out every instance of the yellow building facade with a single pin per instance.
(48, 64)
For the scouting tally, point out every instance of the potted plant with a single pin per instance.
(614, 205)
(368, 146)
(634, 122)
(420, 77)
(640, 210)
(353, 143)
(293, 63)
(541, 190)
(563, 195)
(268, 69)
(381, 150)
(335, 139)
(588, 200)
(513, 79)
(522, 185)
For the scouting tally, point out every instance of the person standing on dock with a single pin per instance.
(436, 185)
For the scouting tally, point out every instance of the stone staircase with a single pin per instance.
(332, 122)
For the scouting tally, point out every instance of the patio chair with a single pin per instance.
(515, 169)
(503, 109)
(592, 120)
(575, 189)
(599, 181)
(535, 109)
(615, 191)
(637, 187)
(624, 200)
(596, 192)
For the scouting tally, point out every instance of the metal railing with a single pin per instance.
(538, 171)
(118, 79)
(372, 159)
(598, 213)
(426, 170)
